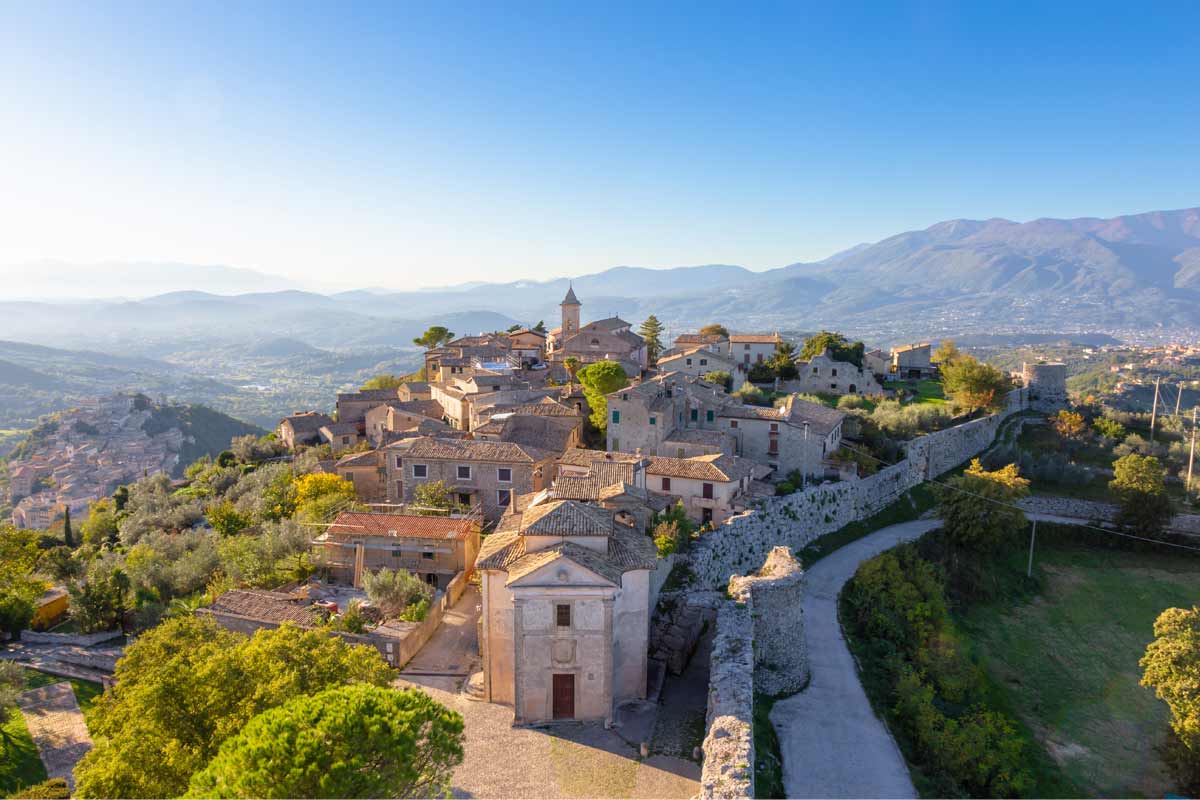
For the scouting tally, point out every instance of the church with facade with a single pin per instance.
(608, 339)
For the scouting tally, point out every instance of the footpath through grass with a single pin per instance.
(20, 764)
(1065, 661)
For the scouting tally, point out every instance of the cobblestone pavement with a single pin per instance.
(560, 760)
(832, 743)
(57, 727)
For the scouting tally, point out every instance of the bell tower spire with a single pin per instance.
(570, 313)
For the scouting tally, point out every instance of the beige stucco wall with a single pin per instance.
(691, 493)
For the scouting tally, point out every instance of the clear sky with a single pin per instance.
(415, 144)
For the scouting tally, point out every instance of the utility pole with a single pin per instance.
(1032, 536)
(1154, 409)
(1178, 397)
(1191, 454)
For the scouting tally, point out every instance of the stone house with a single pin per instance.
(21, 482)
(435, 548)
(342, 436)
(480, 473)
(644, 416)
(367, 473)
(798, 436)
(747, 349)
(413, 390)
(528, 345)
(877, 363)
(912, 362)
(714, 343)
(458, 397)
(552, 433)
(353, 406)
(566, 612)
(698, 361)
(302, 428)
(399, 415)
(709, 487)
(822, 374)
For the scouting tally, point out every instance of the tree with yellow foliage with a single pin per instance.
(978, 507)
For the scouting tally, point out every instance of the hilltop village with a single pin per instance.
(582, 523)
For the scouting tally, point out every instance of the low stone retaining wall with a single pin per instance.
(774, 594)
(675, 628)
(1096, 511)
(65, 639)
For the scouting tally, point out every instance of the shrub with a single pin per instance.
(1109, 428)
(666, 537)
(393, 591)
(50, 789)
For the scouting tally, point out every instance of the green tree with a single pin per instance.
(599, 379)
(101, 525)
(225, 518)
(186, 686)
(974, 385)
(383, 381)
(350, 741)
(435, 336)
(651, 332)
(68, 533)
(100, 601)
(977, 507)
(540, 327)
(839, 347)
(720, 377)
(434, 495)
(571, 364)
(714, 329)
(947, 351)
(12, 683)
(392, 591)
(1109, 428)
(783, 361)
(1138, 482)
(1171, 666)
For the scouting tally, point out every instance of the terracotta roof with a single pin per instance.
(602, 474)
(402, 526)
(698, 436)
(599, 341)
(627, 550)
(264, 606)
(721, 468)
(426, 408)
(520, 331)
(566, 518)
(472, 450)
(699, 351)
(698, 338)
(585, 557)
(756, 338)
(819, 416)
(546, 407)
(546, 433)
(340, 428)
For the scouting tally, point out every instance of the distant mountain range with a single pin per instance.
(1130, 274)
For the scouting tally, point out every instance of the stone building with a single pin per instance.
(610, 339)
(644, 416)
(698, 361)
(342, 435)
(711, 488)
(302, 428)
(913, 362)
(399, 415)
(478, 473)
(352, 407)
(747, 349)
(366, 472)
(1047, 385)
(435, 548)
(794, 437)
(566, 612)
(823, 374)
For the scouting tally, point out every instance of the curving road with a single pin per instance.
(832, 743)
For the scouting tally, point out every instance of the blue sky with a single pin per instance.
(416, 144)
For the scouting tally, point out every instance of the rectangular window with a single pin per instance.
(420, 470)
(816, 371)
(397, 553)
(503, 497)
(708, 491)
(733, 423)
(562, 614)
(654, 420)
(709, 415)
(834, 372)
(666, 484)
(704, 362)
(616, 417)
(774, 427)
(464, 473)
(345, 440)
(504, 474)
(689, 362)
(745, 347)
(427, 555)
(399, 462)
(695, 414)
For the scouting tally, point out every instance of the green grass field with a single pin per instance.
(20, 764)
(1065, 662)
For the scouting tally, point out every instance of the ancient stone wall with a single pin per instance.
(728, 770)
(774, 595)
(743, 542)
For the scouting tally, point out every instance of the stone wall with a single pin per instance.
(77, 639)
(795, 520)
(774, 595)
(728, 770)
(1096, 511)
(659, 577)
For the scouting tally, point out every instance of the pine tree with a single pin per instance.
(651, 331)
